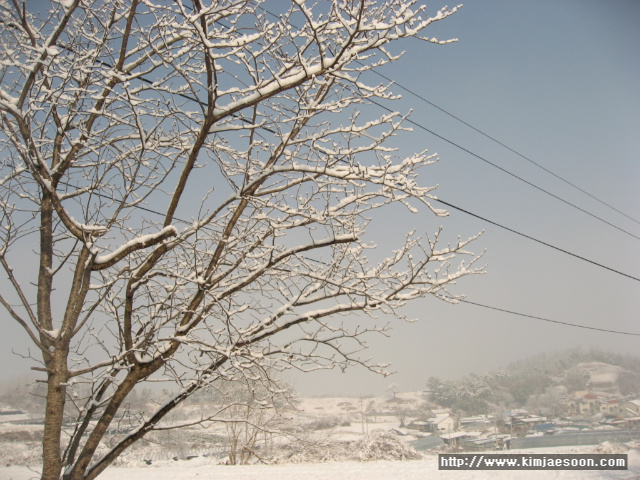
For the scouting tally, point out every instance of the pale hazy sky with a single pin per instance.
(559, 82)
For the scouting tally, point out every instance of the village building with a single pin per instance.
(630, 408)
(610, 407)
(519, 426)
(442, 423)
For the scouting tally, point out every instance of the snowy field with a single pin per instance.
(426, 468)
(21, 443)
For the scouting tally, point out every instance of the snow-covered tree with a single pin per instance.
(394, 388)
(469, 394)
(196, 180)
(251, 411)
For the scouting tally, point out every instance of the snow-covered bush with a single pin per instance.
(311, 452)
(26, 454)
(376, 446)
(611, 447)
(383, 446)
(325, 423)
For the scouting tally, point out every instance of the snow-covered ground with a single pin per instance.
(21, 442)
(427, 468)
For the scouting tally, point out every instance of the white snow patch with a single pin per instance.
(139, 241)
(352, 470)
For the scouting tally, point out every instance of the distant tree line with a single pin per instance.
(541, 382)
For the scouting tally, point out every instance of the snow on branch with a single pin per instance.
(101, 262)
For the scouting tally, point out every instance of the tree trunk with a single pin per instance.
(56, 391)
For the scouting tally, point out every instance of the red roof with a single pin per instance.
(590, 396)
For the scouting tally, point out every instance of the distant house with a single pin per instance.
(454, 438)
(436, 412)
(481, 443)
(473, 423)
(517, 412)
(590, 397)
(624, 423)
(442, 423)
(420, 425)
(588, 404)
(521, 425)
(492, 442)
(630, 408)
(610, 407)
(546, 428)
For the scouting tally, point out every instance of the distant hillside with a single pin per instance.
(544, 380)
(606, 373)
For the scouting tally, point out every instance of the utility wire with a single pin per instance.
(451, 142)
(145, 80)
(547, 319)
(459, 299)
(450, 205)
(499, 143)
(466, 211)
(187, 97)
(409, 120)
(442, 201)
(484, 219)
(495, 140)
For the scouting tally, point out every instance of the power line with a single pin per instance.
(472, 214)
(440, 201)
(451, 142)
(443, 202)
(575, 325)
(145, 80)
(495, 140)
(187, 97)
(499, 143)
(484, 219)
(534, 317)
(461, 300)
